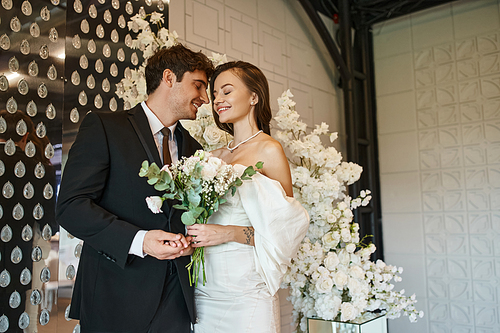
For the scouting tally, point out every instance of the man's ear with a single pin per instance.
(169, 77)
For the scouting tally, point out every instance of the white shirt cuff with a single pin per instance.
(137, 243)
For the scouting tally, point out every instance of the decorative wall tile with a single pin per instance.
(427, 118)
(477, 200)
(475, 17)
(494, 177)
(429, 159)
(457, 245)
(205, 24)
(490, 87)
(431, 181)
(437, 288)
(436, 266)
(433, 202)
(439, 311)
(423, 58)
(484, 291)
(435, 244)
(489, 64)
(272, 50)
(426, 98)
(241, 36)
(428, 139)
(479, 223)
(448, 115)
(492, 131)
(472, 134)
(459, 268)
(491, 109)
(454, 201)
(493, 153)
(450, 136)
(451, 158)
(495, 199)
(470, 112)
(495, 224)
(485, 315)
(455, 223)
(446, 95)
(482, 269)
(444, 53)
(466, 48)
(476, 178)
(424, 78)
(474, 155)
(462, 313)
(461, 290)
(446, 73)
(481, 245)
(437, 327)
(467, 69)
(469, 91)
(489, 43)
(434, 223)
(452, 179)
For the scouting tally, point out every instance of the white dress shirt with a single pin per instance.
(156, 126)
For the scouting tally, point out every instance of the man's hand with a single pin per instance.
(165, 245)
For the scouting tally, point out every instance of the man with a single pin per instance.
(128, 280)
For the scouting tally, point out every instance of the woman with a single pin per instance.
(251, 239)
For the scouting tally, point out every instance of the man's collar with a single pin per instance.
(155, 123)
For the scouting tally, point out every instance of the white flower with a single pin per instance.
(340, 278)
(154, 204)
(212, 135)
(347, 312)
(324, 284)
(156, 18)
(331, 261)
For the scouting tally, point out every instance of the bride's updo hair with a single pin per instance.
(256, 82)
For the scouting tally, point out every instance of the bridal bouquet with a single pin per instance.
(199, 183)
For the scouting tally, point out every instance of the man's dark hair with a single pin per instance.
(179, 59)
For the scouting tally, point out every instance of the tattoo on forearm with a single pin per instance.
(249, 233)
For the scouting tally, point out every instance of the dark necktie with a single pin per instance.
(166, 151)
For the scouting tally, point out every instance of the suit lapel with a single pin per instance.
(140, 123)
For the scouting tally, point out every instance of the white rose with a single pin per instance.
(208, 172)
(350, 248)
(331, 261)
(344, 257)
(340, 278)
(212, 135)
(347, 312)
(324, 285)
(154, 204)
(329, 240)
(357, 272)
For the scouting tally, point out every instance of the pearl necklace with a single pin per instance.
(242, 142)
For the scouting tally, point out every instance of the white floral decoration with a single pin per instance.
(332, 276)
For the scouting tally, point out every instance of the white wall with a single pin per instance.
(438, 100)
(273, 35)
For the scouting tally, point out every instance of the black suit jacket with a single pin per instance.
(102, 201)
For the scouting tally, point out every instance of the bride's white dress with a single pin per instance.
(242, 281)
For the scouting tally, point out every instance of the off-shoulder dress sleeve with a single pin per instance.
(280, 223)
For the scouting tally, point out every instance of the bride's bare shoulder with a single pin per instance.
(217, 152)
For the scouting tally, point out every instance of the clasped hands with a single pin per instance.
(165, 245)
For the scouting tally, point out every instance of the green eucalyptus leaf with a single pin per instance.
(169, 196)
(194, 198)
(187, 218)
(259, 165)
(152, 181)
(180, 207)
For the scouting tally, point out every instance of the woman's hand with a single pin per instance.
(209, 234)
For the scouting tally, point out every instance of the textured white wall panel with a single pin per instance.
(456, 113)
